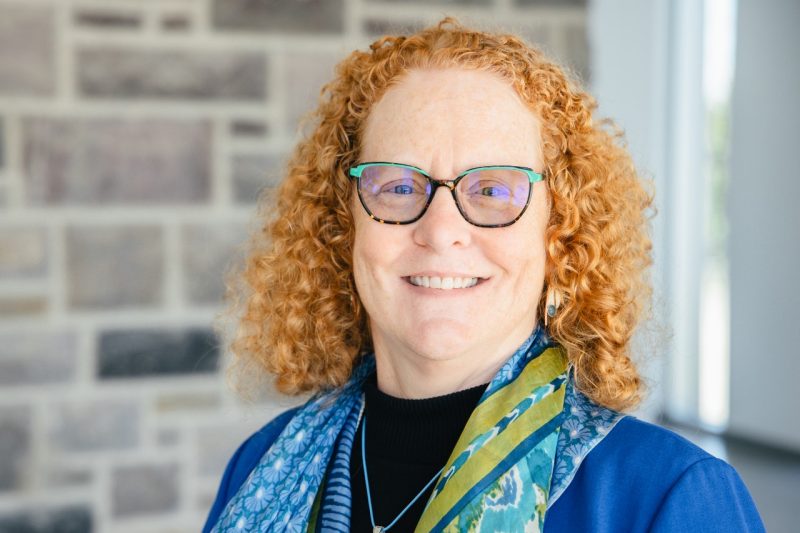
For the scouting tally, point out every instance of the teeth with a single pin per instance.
(435, 282)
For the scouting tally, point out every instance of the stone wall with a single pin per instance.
(135, 137)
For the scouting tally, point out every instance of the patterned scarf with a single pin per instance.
(498, 476)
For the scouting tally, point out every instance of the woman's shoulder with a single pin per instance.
(653, 479)
(634, 439)
(244, 460)
(638, 453)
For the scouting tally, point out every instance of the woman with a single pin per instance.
(459, 257)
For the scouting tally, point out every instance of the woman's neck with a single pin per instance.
(428, 380)
(405, 373)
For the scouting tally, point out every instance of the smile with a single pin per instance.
(444, 283)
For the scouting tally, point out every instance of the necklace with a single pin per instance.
(379, 529)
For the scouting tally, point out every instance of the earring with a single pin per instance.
(553, 303)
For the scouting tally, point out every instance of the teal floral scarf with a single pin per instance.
(517, 453)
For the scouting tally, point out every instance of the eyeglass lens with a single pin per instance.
(485, 196)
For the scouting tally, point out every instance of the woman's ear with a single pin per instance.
(552, 303)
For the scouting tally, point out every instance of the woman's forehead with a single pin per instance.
(473, 114)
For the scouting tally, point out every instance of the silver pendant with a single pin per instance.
(377, 529)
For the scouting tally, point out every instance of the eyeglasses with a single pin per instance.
(488, 197)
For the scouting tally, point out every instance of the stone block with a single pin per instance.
(29, 30)
(66, 477)
(551, 3)
(29, 358)
(23, 252)
(436, 2)
(145, 353)
(2, 143)
(71, 519)
(15, 442)
(114, 267)
(176, 22)
(109, 424)
(253, 172)
(249, 128)
(101, 18)
(208, 251)
(13, 306)
(295, 16)
(111, 72)
(102, 161)
(144, 489)
(306, 73)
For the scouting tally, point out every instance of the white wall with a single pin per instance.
(764, 214)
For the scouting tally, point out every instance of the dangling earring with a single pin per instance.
(553, 302)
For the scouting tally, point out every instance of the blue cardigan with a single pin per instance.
(640, 477)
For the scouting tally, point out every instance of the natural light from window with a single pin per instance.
(714, 360)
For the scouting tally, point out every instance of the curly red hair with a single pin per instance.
(299, 316)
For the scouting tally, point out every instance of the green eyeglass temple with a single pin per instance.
(533, 177)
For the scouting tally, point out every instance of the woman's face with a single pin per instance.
(444, 122)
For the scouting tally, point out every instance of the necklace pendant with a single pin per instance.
(377, 529)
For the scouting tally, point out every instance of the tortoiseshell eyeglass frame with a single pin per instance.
(356, 172)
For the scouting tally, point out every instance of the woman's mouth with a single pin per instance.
(444, 283)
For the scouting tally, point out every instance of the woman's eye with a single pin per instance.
(490, 190)
(398, 188)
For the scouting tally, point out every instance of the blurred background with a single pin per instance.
(136, 136)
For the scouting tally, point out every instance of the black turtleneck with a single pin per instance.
(407, 442)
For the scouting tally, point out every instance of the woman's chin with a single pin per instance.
(442, 339)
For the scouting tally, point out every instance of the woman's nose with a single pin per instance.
(442, 225)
